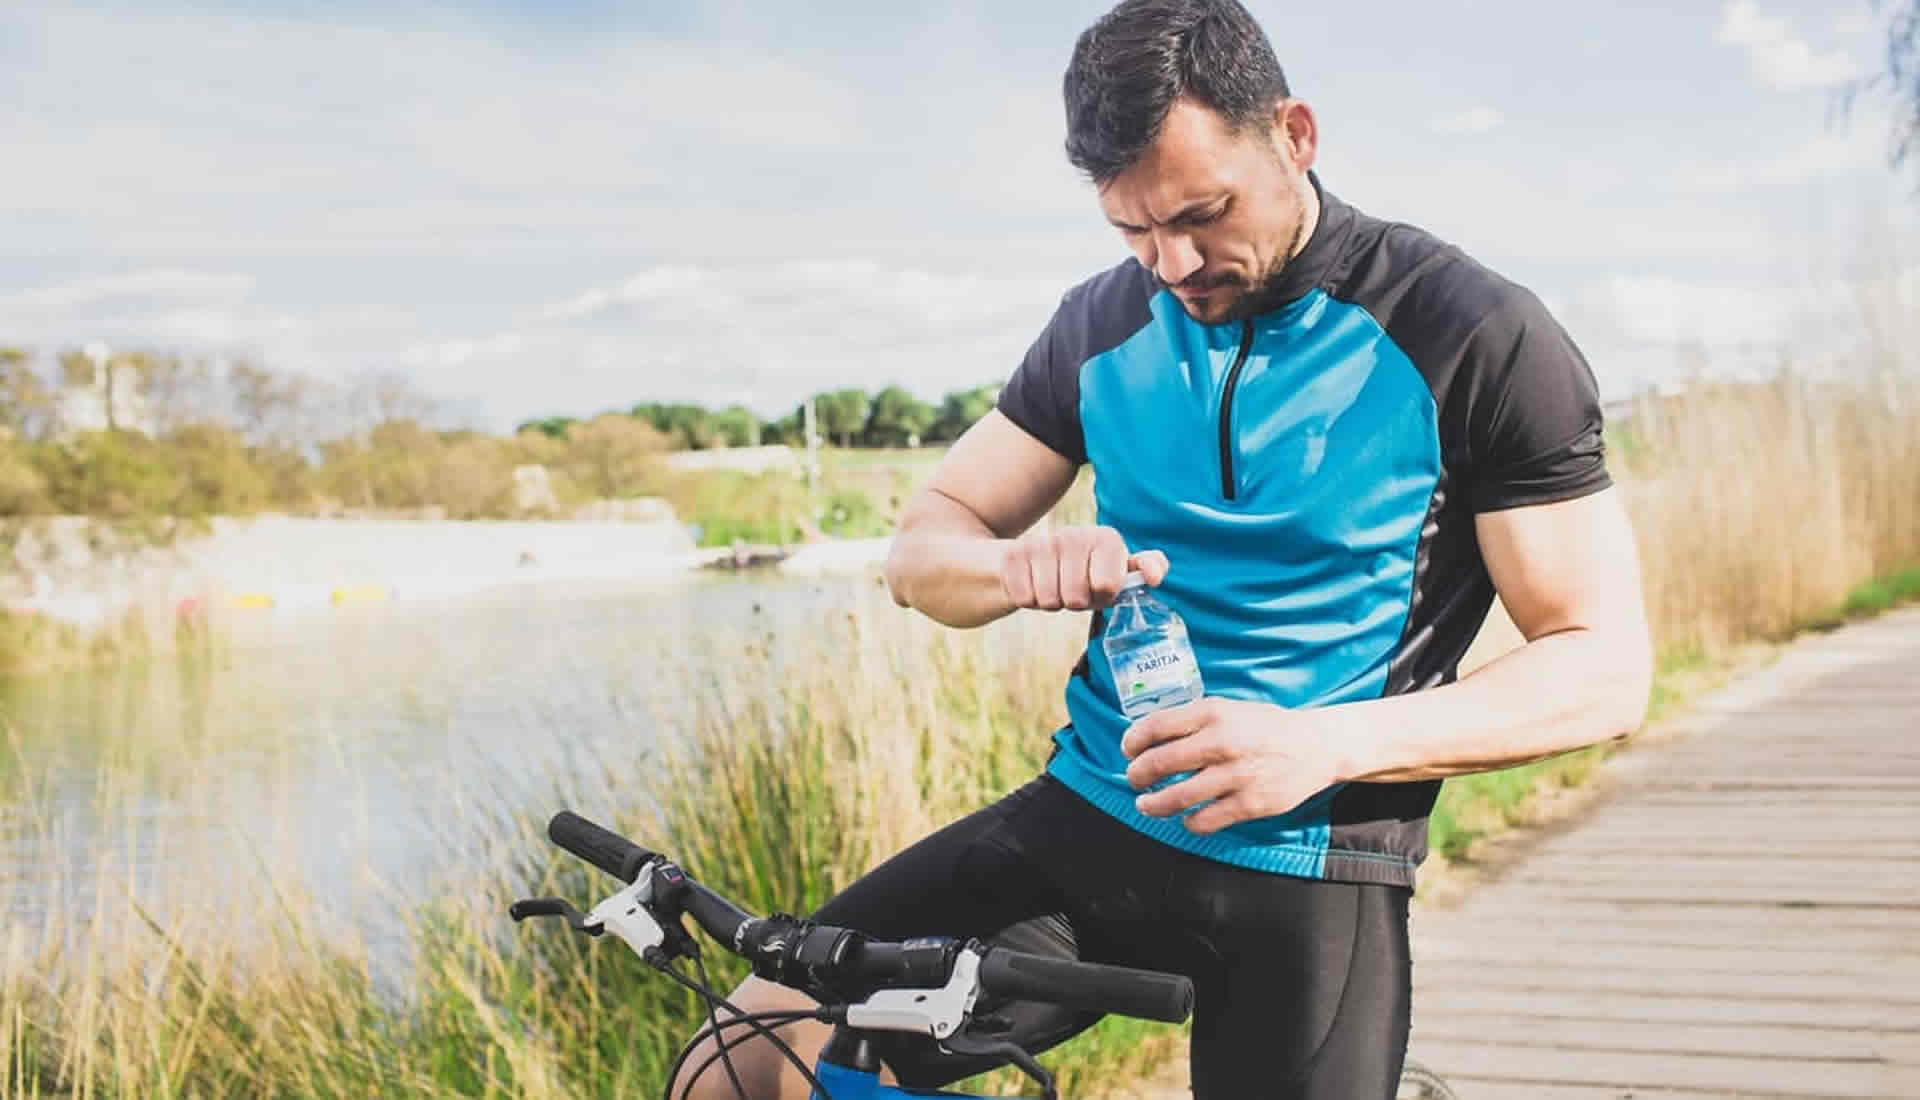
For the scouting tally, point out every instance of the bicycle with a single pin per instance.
(927, 986)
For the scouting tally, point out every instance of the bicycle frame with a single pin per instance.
(852, 1084)
(849, 1069)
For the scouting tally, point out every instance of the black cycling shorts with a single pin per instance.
(1302, 988)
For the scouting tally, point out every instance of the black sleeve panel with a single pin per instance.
(1533, 412)
(1520, 418)
(1043, 396)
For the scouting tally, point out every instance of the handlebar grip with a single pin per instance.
(1092, 987)
(612, 853)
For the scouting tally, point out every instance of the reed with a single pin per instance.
(795, 760)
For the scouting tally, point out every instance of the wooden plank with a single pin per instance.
(1743, 862)
(1713, 958)
(1592, 845)
(1482, 1088)
(1635, 1069)
(1656, 891)
(1517, 939)
(1892, 876)
(1576, 913)
(1864, 787)
(1430, 1000)
(1669, 1037)
(1498, 973)
(1738, 913)
(1677, 884)
(1678, 818)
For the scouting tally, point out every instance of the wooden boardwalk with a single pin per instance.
(1738, 915)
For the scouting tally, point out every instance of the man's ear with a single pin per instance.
(1296, 132)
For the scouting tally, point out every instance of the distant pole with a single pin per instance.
(813, 446)
(102, 376)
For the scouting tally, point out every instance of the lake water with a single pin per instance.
(348, 756)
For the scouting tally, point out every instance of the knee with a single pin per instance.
(764, 1072)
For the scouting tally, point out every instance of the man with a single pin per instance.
(1329, 440)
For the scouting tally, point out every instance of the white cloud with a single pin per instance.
(1473, 120)
(197, 126)
(764, 335)
(1856, 152)
(109, 291)
(1777, 56)
(1854, 23)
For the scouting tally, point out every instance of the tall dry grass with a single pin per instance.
(800, 760)
(1758, 507)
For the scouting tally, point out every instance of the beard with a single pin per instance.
(1264, 294)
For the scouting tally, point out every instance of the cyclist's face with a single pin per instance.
(1213, 214)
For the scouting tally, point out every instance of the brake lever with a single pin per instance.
(966, 1043)
(555, 907)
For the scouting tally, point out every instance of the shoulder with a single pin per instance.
(1102, 312)
(1426, 290)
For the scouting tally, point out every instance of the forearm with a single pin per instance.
(1560, 692)
(949, 572)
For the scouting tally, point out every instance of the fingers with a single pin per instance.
(1221, 813)
(1152, 565)
(1164, 725)
(1073, 568)
(1106, 569)
(1044, 567)
(1078, 546)
(1200, 787)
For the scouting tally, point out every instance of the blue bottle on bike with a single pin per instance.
(1149, 655)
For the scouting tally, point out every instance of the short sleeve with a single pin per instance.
(1043, 395)
(1535, 423)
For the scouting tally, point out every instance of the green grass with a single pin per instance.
(1872, 598)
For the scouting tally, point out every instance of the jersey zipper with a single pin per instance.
(1226, 408)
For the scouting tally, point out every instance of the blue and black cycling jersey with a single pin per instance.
(1312, 474)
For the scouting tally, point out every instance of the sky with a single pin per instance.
(560, 208)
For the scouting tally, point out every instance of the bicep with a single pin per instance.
(998, 472)
(1572, 564)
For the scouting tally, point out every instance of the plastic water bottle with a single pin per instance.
(1149, 655)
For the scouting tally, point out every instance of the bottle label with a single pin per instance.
(1151, 670)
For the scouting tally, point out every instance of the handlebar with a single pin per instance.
(829, 962)
(609, 851)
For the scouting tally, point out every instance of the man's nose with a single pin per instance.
(1175, 257)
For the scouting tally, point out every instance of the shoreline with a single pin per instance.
(69, 571)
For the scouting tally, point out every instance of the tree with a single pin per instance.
(789, 429)
(687, 426)
(959, 410)
(842, 414)
(898, 419)
(268, 407)
(1898, 78)
(218, 476)
(26, 405)
(613, 455)
(553, 427)
(174, 392)
(735, 426)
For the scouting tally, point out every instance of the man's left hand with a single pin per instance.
(1250, 759)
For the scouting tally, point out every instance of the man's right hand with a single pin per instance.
(1073, 568)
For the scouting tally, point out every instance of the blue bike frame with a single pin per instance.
(843, 1083)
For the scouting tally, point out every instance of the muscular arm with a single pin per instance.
(961, 555)
(992, 485)
(1569, 576)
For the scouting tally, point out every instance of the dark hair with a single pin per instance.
(1129, 67)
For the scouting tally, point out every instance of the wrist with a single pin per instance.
(1359, 749)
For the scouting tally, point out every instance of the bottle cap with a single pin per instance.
(1135, 579)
